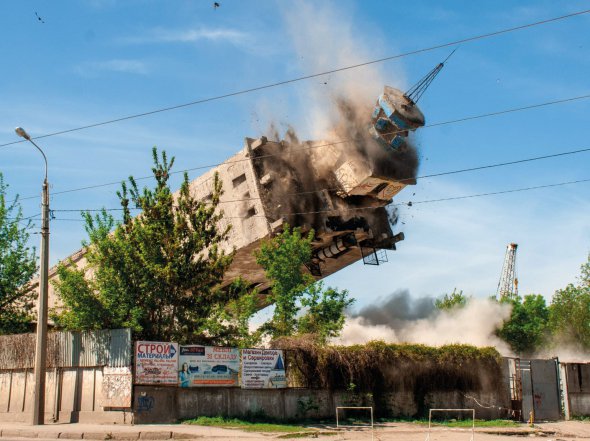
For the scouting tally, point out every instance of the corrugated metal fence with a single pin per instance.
(110, 348)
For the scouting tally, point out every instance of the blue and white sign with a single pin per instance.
(208, 366)
(263, 369)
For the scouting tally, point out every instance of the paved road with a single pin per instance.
(561, 431)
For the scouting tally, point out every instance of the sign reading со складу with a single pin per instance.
(208, 366)
(263, 369)
(156, 363)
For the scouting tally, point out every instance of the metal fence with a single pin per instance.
(69, 349)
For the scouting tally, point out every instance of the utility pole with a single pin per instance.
(41, 346)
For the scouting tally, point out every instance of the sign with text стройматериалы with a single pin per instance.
(156, 363)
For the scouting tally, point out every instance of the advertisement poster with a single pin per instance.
(208, 366)
(117, 384)
(263, 369)
(156, 363)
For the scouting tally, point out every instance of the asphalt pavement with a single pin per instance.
(559, 431)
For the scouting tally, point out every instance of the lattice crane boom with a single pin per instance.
(508, 284)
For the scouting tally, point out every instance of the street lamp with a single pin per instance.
(41, 347)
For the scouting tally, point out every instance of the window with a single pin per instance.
(238, 180)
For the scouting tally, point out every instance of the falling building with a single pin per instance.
(340, 188)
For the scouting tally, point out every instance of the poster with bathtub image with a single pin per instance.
(263, 369)
(208, 366)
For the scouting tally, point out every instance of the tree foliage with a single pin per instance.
(528, 326)
(570, 311)
(301, 305)
(456, 299)
(17, 266)
(229, 323)
(157, 273)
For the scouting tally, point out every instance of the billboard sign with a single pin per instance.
(208, 366)
(263, 369)
(156, 363)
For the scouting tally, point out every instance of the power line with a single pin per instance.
(454, 198)
(399, 204)
(433, 175)
(202, 167)
(503, 112)
(15, 220)
(502, 164)
(307, 77)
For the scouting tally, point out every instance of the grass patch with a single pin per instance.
(306, 435)
(455, 423)
(478, 423)
(583, 418)
(248, 426)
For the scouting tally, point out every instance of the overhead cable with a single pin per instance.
(433, 175)
(208, 166)
(307, 77)
(399, 204)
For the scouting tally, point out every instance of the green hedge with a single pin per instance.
(381, 366)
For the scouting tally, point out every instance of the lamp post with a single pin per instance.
(41, 346)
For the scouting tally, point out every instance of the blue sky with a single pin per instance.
(101, 59)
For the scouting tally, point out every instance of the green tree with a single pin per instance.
(157, 273)
(324, 317)
(570, 310)
(585, 273)
(229, 324)
(283, 258)
(528, 326)
(450, 301)
(17, 266)
(301, 305)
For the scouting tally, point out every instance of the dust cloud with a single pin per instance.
(337, 112)
(401, 319)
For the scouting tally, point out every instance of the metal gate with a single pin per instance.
(540, 389)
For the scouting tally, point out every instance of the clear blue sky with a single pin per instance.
(100, 59)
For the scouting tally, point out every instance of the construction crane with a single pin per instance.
(508, 284)
(396, 113)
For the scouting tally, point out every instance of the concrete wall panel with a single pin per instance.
(87, 390)
(269, 402)
(79, 394)
(308, 403)
(402, 403)
(17, 397)
(579, 405)
(207, 402)
(159, 404)
(5, 392)
(155, 405)
(69, 390)
(50, 390)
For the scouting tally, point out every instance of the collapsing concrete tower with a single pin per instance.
(340, 189)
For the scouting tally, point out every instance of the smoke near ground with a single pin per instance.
(397, 310)
(401, 319)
